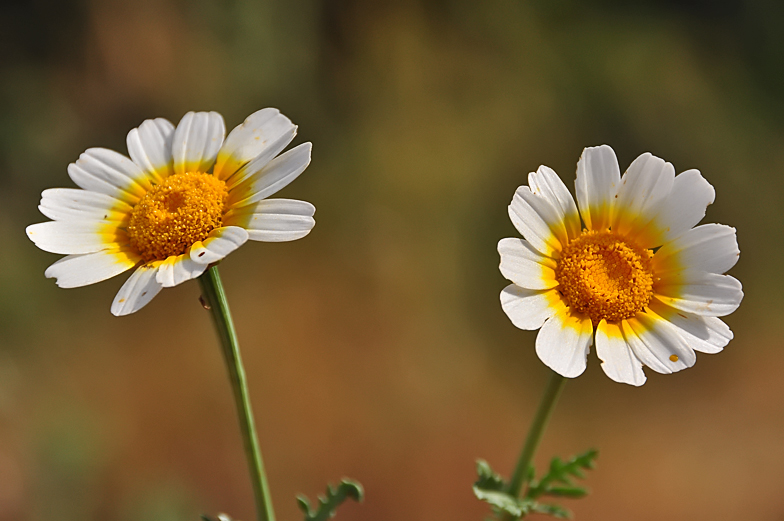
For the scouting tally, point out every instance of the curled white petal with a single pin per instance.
(73, 204)
(619, 362)
(150, 147)
(176, 270)
(196, 141)
(538, 221)
(528, 309)
(644, 187)
(703, 334)
(563, 343)
(140, 288)
(75, 271)
(701, 293)
(75, 237)
(108, 172)
(263, 135)
(683, 208)
(710, 247)
(526, 267)
(218, 245)
(546, 183)
(273, 177)
(274, 220)
(660, 347)
(598, 177)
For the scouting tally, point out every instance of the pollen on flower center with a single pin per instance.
(180, 211)
(605, 276)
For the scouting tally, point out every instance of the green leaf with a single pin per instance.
(502, 501)
(329, 504)
(558, 482)
(490, 487)
(551, 510)
(573, 492)
(562, 473)
(488, 479)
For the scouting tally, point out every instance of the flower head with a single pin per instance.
(186, 198)
(640, 277)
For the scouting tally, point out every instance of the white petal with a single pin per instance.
(176, 270)
(278, 173)
(150, 147)
(255, 166)
(263, 131)
(107, 172)
(75, 271)
(537, 221)
(196, 141)
(660, 347)
(618, 360)
(683, 208)
(639, 348)
(274, 220)
(528, 309)
(546, 183)
(598, 178)
(138, 290)
(701, 293)
(269, 206)
(73, 204)
(563, 343)
(279, 228)
(644, 187)
(703, 334)
(75, 237)
(220, 243)
(525, 266)
(710, 247)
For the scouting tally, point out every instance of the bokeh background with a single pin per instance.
(376, 347)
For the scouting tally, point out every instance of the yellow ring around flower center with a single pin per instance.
(180, 211)
(605, 276)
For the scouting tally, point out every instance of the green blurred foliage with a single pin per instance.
(383, 326)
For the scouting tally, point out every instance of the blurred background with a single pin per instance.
(376, 347)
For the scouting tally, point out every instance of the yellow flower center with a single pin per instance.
(605, 276)
(172, 216)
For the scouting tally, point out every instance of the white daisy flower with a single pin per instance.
(640, 277)
(185, 199)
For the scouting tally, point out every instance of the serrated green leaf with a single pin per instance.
(501, 500)
(303, 503)
(329, 504)
(573, 492)
(488, 479)
(491, 488)
(551, 510)
(562, 473)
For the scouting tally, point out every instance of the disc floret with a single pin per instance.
(176, 213)
(605, 276)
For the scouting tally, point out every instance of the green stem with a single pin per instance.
(212, 292)
(546, 406)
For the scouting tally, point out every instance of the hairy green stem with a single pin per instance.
(554, 387)
(215, 299)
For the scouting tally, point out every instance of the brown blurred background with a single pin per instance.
(376, 347)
